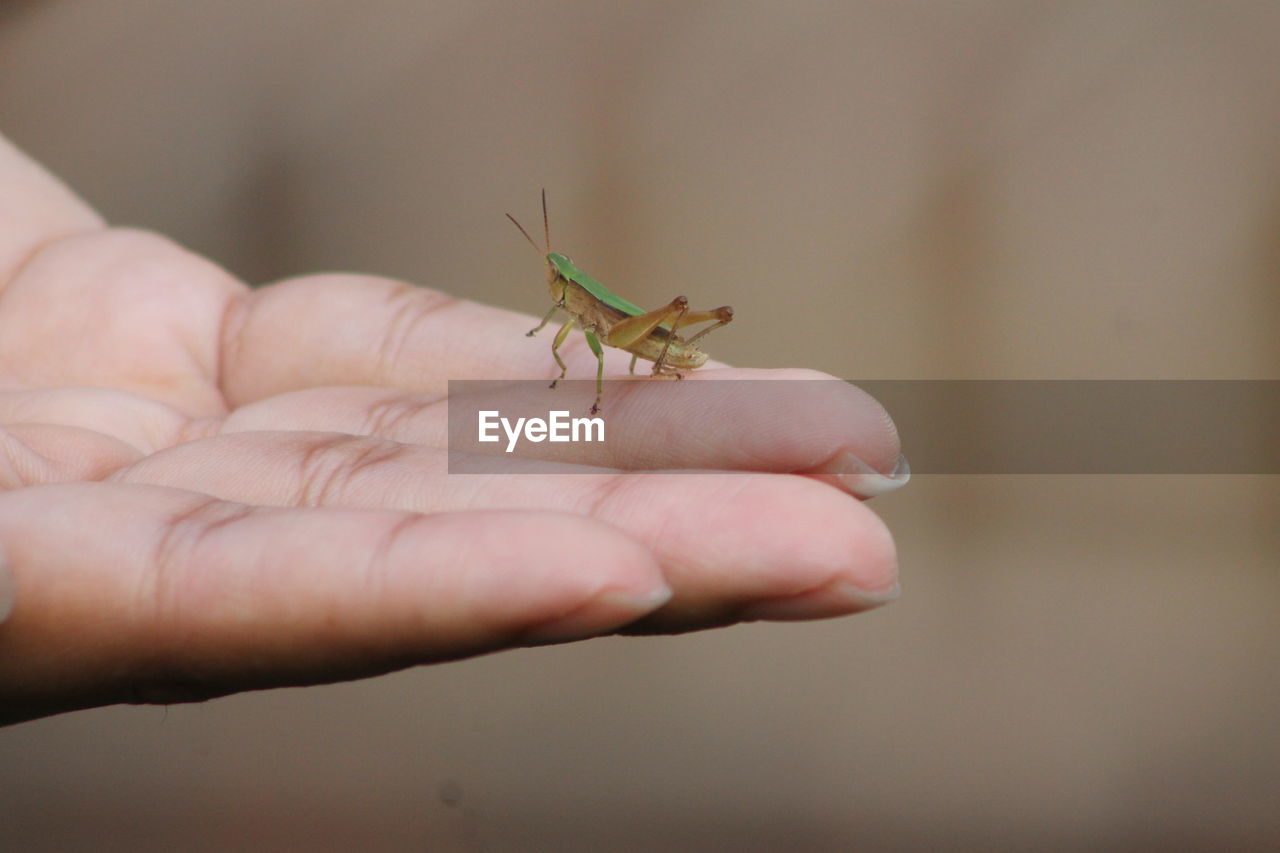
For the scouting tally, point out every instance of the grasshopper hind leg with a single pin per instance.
(722, 317)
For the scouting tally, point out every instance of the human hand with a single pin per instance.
(210, 489)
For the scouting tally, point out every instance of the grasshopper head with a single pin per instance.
(559, 270)
(560, 265)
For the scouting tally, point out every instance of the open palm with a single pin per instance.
(209, 488)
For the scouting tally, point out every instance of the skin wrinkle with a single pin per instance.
(231, 341)
(327, 466)
(414, 306)
(384, 417)
(380, 451)
(172, 553)
(374, 570)
(196, 429)
(212, 363)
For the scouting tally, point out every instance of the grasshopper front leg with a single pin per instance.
(545, 320)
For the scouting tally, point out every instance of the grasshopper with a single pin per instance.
(607, 318)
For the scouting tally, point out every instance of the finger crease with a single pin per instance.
(384, 417)
(231, 331)
(326, 468)
(181, 537)
(375, 570)
(413, 307)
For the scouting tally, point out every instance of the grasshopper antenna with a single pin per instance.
(546, 223)
(526, 235)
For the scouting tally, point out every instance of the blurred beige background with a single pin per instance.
(986, 189)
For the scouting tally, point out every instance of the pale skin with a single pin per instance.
(209, 489)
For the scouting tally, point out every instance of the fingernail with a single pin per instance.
(860, 479)
(836, 599)
(605, 612)
(8, 589)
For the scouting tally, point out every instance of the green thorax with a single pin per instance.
(565, 267)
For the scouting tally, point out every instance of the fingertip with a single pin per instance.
(824, 541)
(605, 612)
(838, 598)
(584, 578)
(862, 553)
